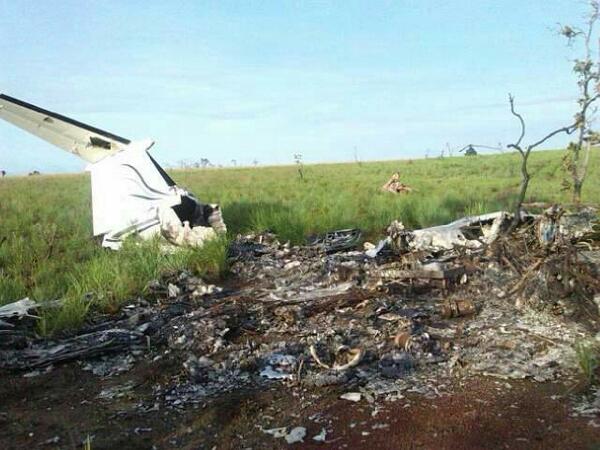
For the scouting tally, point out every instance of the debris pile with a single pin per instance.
(425, 309)
(394, 185)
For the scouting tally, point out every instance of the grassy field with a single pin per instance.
(47, 251)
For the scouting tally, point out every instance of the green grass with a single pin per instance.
(48, 251)
(587, 357)
(107, 280)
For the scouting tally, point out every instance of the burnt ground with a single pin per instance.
(487, 361)
(61, 409)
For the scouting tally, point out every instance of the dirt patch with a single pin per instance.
(60, 410)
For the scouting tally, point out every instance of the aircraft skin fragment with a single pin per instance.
(90, 143)
(131, 192)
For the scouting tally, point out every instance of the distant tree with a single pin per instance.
(3, 173)
(255, 162)
(299, 165)
(234, 162)
(356, 157)
(587, 72)
(449, 149)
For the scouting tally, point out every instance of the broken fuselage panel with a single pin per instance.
(131, 192)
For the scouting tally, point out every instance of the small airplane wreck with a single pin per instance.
(131, 192)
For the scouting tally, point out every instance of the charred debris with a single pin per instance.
(415, 313)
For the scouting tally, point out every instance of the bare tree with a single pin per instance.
(588, 76)
(185, 164)
(299, 165)
(525, 151)
(356, 157)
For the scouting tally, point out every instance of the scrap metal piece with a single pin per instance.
(403, 340)
(372, 252)
(337, 241)
(351, 396)
(547, 228)
(4, 324)
(394, 185)
(436, 273)
(582, 224)
(85, 141)
(296, 434)
(354, 356)
(470, 232)
(457, 308)
(279, 367)
(78, 347)
(18, 309)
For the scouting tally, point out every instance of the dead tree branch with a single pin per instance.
(525, 152)
(517, 145)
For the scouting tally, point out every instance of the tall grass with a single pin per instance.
(47, 250)
(110, 279)
(588, 358)
(343, 195)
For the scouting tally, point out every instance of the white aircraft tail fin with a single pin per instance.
(129, 188)
(90, 143)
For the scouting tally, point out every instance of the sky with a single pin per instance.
(263, 80)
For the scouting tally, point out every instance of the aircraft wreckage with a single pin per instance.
(131, 192)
